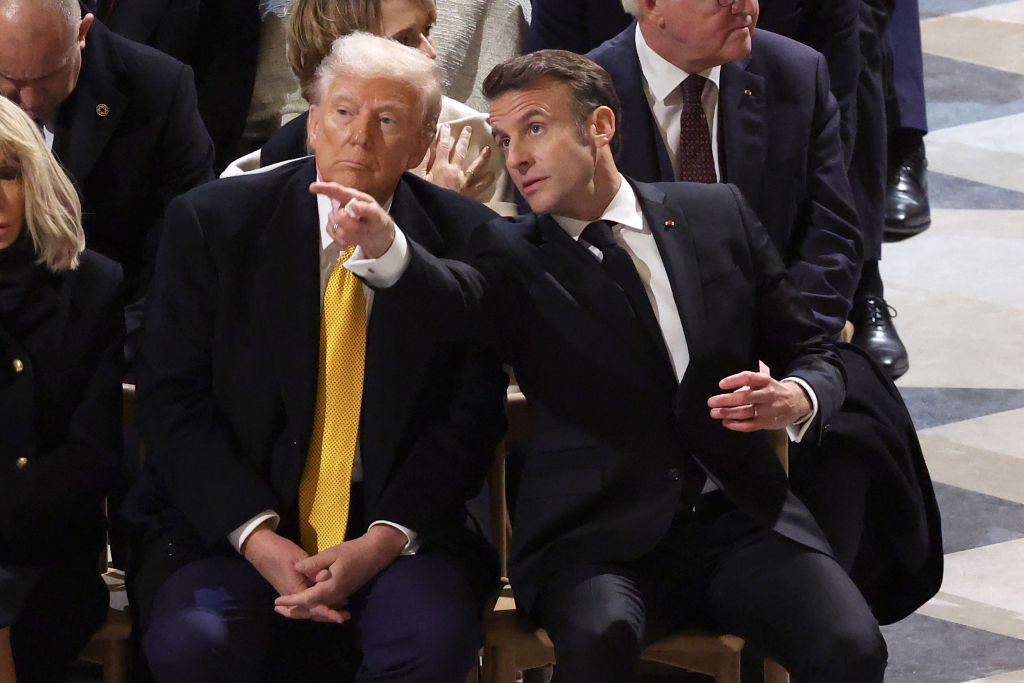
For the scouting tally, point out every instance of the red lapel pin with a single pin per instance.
(670, 223)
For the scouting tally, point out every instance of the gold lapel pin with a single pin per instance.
(102, 109)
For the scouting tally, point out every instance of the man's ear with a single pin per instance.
(425, 140)
(602, 126)
(652, 11)
(313, 125)
(83, 30)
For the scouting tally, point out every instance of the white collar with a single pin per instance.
(662, 76)
(623, 209)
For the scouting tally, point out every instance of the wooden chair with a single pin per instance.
(510, 647)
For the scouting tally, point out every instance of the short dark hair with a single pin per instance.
(590, 85)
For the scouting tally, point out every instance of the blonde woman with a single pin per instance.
(463, 157)
(61, 335)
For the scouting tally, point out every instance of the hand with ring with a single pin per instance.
(447, 163)
(357, 219)
(757, 401)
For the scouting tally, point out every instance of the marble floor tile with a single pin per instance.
(971, 519)
(960, 92)
(975, 39)
(937, 8)
(983, 588)
(990, 152)
(935, 406)
(1008, 677)
(951, 461)
(1007, 12)
(950, 192)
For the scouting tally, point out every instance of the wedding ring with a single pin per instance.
(755, 411)
(334, 228)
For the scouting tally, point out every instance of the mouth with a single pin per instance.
(357, 165)
(531, 184)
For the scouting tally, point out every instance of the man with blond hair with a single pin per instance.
(316, 419)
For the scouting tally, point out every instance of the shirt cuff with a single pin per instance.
(237, 537)
(797, 430)
(382, 272)
(412, 544)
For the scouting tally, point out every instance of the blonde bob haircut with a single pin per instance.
(314, 25)
(53, 212)
(367, 56)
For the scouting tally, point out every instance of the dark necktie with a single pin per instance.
(696, 163)
(619, 266)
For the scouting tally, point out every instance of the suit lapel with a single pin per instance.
(741, 131)
(674, 237)
(88, 118)
(643, 155)
(287, 282)
(398, 352)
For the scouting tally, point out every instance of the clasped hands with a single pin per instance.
(318, 587)
(756, 401)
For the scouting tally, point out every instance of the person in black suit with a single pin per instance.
(61, 334)
(634, 316)
(120, 117)
(574, 25)
(231, 387)
(776, 128)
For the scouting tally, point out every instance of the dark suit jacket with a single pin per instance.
(62, 412)
(779, 144)
(574, 25)
(287, 142)
(131, 138)
(601, 479)
(228, 373)
(219, 39)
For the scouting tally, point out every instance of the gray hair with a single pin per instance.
(368, 56)
(631, 7)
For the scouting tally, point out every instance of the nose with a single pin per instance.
(426, 46)
(517, 158)
(360, 131)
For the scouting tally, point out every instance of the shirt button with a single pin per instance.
(21, 462)
(18, 365)
(673, 474)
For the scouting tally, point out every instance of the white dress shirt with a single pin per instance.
(632, 234)
(381, 272)
(661, 81)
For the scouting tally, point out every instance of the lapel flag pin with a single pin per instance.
(670, 223)
(102, 109)
(747, 92)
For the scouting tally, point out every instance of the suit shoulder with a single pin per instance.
(780, 52)
(441, 202)
(97, 278)
(142, 66)
(248, 193)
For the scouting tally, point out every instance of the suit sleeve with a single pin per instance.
(789, 338)
(190, 443)
(827, 262)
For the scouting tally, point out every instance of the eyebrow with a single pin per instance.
(527, 115)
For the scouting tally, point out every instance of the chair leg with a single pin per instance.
(6, 656)
(774, 673)
(729, 669)
(499, 665)
(114, 669)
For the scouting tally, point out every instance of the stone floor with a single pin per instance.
(958, 288)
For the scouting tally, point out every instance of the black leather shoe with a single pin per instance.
(907, 211)
(874, 332)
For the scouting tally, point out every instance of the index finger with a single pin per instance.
(317, 594)
(339, 193)
(747, 378)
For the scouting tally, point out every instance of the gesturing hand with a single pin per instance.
(447, 163)
(756, 401)
(356, 219)
(338, 572)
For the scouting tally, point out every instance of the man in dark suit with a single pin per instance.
(574, 25)
(245, 493)
(775, 132)
(634, 316)
(121, 118)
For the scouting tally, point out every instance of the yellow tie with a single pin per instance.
(327, 479)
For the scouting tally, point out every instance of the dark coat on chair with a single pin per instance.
(228, 373)
(60, 411)
(131, 138)
(778, 138)
(611, 428)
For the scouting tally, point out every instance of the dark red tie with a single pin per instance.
(696, 163)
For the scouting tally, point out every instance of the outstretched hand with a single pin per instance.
(356, 219)
(756, 401)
